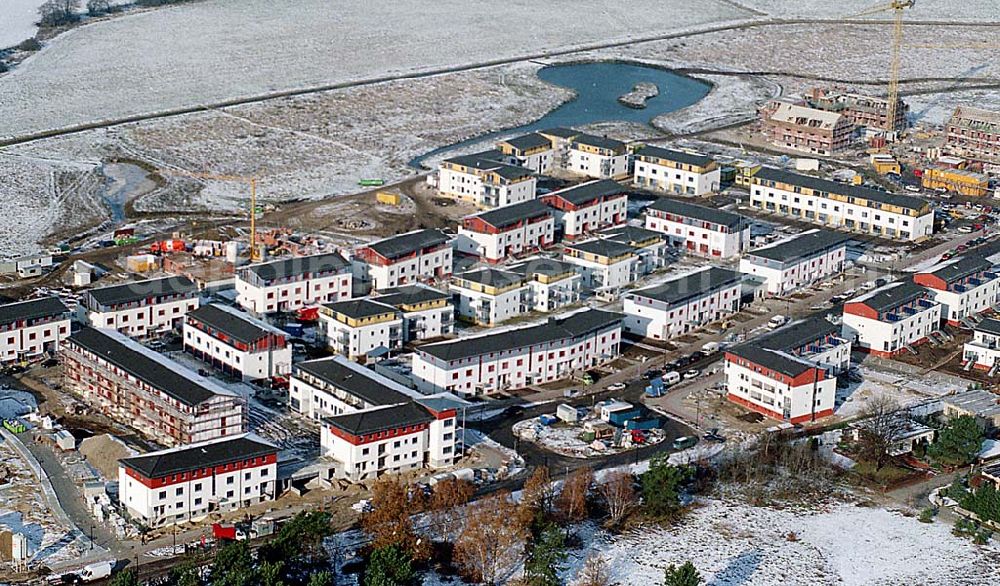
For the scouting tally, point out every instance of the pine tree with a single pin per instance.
(958, 443)
(389, 566)
(546, 558)
(685, 575)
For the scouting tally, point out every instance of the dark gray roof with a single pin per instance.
(491, 161)
(989, 326)
(232, 322)
(199, 456)
(601, 142)
(560, 132)
(404, 244)
(776, 350)
(677, 156)
(630, 234)
(690, 286)
(360, 308)
(355, 380)
(964, 266)
(690, 210)
(891, 296)
(140, 290)
(528, 141)
(543, 266)
(603, 247)
(382, 419)
(410, 294)
(153, 369)
(300, 265)
(591, 190)
(775, 360)
(802, 246)
(571, 326)
(32, 309)
(895, 199)
(491, 277)
(512, 214)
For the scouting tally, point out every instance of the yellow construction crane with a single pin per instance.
(897, 7)
(254, 252)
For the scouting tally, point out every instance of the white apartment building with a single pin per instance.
(236, 343)
(427, 312)
(598, 157)
(649, 245)
(518, 357)
(387, 440)
(531, 151)
(486, 297)
(789, 374)
(29, 329)
(190, 482)
(842, 206)
(293, 283)
(887, 320)
(358, 327)
(552, 284)
(604, 264)
(683, 303)
(964, 286)
(485, 180)
(676, 172)
(406, 259)
(334, 386)
(588, 207)
(140, 308)
(797, 262)
(508, 231)
(699, 230)
(983, 350)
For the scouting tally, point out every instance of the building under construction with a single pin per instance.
(802, 128)
(868, 112)
(974, 134)
(170, 404)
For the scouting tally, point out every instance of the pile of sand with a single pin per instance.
(103, 452)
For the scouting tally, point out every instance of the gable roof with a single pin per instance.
(507, 215)
(601, 142)
(375, 420)
(560, 131)
(689, 210)
(893, 199)
(579, 194)
(491, 277)
(792, 113)
(605, 247)
(804, 245)
(354, 379)
(491, 161)
(775, 350)
(208, 454)
(140, 290)
(299, 265)
(569, 326)
(676, 156)
(956, 269)
(360, 308)
(630, 234)
(989, 326)
(31, 309)
(528, 141)
(690, 286)
(542, 266)
(409, 295)
(891, 296)
(403, 244)
(233, 323)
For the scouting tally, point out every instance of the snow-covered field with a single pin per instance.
(906, 390)
(215, 50)
(18, 22)
(951, 10)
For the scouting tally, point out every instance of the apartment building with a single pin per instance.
(699, 230)
(588, 207)
(427, 312)
(604, 264)
(361, 328)
(797, 262)
(293, 283)
(683, 303)
(552, 284)
(598, 157)
(676, 172)
(838, 205)
(531, 151)
(974, 133)
(789, 374)
(509, 231)
(983, 350)
(963, 286)
(868, 112)
(392, 439)
(29, 329)
(140, 308)
(485, 180)
(334, 386)
(487, 297)
(518, 357)
(649, 245)
(886, 321)
(808, 130)
(958, 181)
(236, 343)
(406, 259)
(190, 482)
(159, 398)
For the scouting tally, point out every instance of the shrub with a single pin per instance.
(927, 515)
(31, 44)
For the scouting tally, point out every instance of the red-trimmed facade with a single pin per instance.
(201, 473)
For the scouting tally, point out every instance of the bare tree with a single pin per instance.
(619, 496)
(57, 12)
(594, 572)
(446, 507)
(492, 543)
(390, 521)
(537, 495)
(882, 423)
(98, 6)
(572, 500)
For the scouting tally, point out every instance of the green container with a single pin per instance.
(587, 436)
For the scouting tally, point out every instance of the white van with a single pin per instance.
(672, 378)
(96, 571)
(710, 347)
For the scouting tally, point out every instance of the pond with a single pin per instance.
(125, 182)
(598, 87)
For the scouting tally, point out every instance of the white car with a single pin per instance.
(965, 230)
(693, 373)
(617, 387)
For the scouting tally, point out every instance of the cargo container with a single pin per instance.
(620, 418)
(643, 424)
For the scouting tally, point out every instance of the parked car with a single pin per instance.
(696, 356)
(693, 373)
(653, 373)
(616, 387)
(672, 378)
(965, 229)
(714, 436)
(684, 442)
